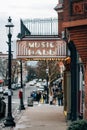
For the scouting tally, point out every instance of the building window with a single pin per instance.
(77, 8)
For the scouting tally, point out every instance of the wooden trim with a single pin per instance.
(74, 23)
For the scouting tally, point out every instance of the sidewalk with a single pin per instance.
(42, 117)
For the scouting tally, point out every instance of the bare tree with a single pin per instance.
(53, 69)
(3, 68)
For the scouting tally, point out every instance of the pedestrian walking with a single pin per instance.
(60, 98)
(55, 90)
(51, 98)
(38, 96)
(54, 97)
(44, 97)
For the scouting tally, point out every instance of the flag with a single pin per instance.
(23, 30)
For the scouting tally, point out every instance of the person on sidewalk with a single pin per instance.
(60, 98)
(44, 97)
(38, 96)
(51, 98)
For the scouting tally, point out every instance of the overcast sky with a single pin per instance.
(23, 9)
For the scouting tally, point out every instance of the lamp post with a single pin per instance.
(21, 99)
(47, 71)
(9, 120)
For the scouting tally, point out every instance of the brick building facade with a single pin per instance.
(72, 22)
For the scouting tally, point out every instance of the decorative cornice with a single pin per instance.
(58, 7)
(74, 23)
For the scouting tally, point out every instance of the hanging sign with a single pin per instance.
(35, 49)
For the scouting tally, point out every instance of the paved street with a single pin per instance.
(42, 117)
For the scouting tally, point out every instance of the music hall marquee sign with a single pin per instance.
(41, 49)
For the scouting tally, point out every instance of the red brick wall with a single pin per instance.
(60, 22)
(66, 11)
(78, 33)
(70, 13)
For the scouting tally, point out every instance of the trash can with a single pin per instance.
(30, 101)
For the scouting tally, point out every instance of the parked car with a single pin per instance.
(40, 89)
(31, 83)
(2, 107)
(38, 84)
(41, 86)
(1, 89)
(6, 91)
(14, 86)
(18, 85)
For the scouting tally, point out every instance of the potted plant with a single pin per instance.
(78, 125)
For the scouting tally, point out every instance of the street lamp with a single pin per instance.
(47, 71)
(9, 119)
(21, 98)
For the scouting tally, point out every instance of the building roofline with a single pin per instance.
(41, 37)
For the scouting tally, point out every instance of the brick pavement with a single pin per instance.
(42, 117)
